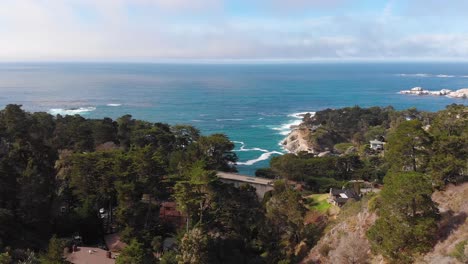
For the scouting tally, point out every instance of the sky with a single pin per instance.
(216, 30)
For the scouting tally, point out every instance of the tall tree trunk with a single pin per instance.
(201, 212)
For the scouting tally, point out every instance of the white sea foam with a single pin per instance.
(427, 75)
(114, 104)
(71, 111)
(414, 74)
(264, 156)
(242, 148)
(301, 114)
(196, 120)
(285, 129)
(229, 119)
(268, 114)
(444, 76)
(266, 153)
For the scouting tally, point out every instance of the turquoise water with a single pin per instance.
(253, 104)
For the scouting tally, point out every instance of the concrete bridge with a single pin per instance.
(261, 185)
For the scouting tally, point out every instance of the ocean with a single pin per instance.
(254, 104)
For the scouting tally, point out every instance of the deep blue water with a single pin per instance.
(252, 103)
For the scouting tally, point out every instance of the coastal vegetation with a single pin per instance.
(67, 180)
(422, 153)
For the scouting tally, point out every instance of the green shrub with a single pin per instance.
(342, 147)
(460, 251)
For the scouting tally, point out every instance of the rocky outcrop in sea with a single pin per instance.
(461, 93)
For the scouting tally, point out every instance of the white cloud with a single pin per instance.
(55, 30)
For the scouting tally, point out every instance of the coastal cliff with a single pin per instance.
(312, 139)
(297, 140)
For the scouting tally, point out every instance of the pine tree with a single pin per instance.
(407, 217)
(132, 254)
(54, 253)
(408, 147)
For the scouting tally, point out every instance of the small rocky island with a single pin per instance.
(461, 93)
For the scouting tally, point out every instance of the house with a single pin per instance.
(376, 144)
(169, 214)
(339, 197)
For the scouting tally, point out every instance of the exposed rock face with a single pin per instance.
(300, 140)
(345, 241)
(324, 154)
(453, 227)
(462, 93)
(296, 141)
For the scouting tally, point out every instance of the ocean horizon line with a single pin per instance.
(239, 61)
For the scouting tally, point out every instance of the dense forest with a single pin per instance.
(58, 172)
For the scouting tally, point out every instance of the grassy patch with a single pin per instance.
(318, 202)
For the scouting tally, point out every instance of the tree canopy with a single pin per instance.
(407, 221)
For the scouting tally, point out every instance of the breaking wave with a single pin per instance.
(427, 75)
(300, 115)
(266, 154)
(285, 129)
(114, 104)
(414, 74)
(71, 111)
(444, 76)
(229, 119)
(242, 148)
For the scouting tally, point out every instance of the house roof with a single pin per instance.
(344, 193)
(376, 142)
(113, 242)
(169, 204)
(90, 255)
(170, 213)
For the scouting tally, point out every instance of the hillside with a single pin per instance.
(345, 238)
(453, 228)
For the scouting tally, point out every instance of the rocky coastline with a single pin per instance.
(296, 141)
